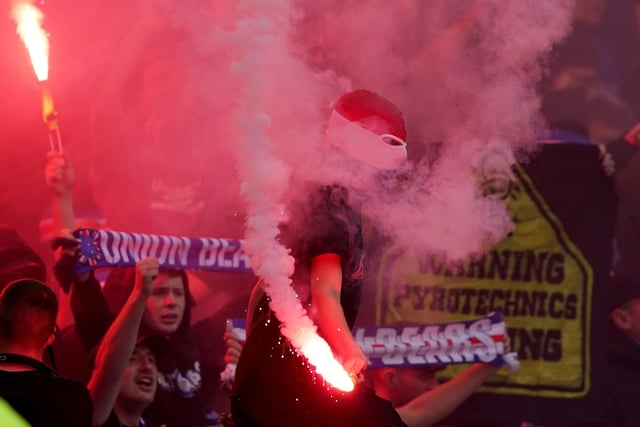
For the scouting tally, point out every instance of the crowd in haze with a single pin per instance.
(148, 343)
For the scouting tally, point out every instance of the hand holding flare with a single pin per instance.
(50, 117)
(29, 20)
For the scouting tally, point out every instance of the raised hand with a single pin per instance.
(233, 344)
(147, 270)
(58, 173)
(355, 364)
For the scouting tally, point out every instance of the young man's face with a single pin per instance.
(140, 377)
(165, 307)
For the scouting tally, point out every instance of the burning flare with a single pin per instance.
(319, 355)
(29, 20)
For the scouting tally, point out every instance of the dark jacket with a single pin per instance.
(623, 382)
(186, 376)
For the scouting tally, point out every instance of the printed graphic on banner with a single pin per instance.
(409, 345)
(478, 340)
(102, 248)
(536, 278)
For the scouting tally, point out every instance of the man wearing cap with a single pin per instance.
(624, 349)
(125, 376)
(28, 310)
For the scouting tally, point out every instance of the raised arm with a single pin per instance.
(326, 283)
(60, 178)
(90, 310)
(118, 344)
(434, 405)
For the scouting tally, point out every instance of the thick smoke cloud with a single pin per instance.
(464, 73)
(149, 94)
(261, 55)
(467, 88)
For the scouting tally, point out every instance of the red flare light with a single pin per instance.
(319, 354)
(29, 19)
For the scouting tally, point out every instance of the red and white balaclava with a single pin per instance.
(369, 128)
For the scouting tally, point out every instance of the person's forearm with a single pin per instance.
(62, 207)
(432, 406)
(113, 355)
(332, 324)
(326, 285)
(91, 312)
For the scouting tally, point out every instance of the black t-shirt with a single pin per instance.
(43, 399)
(273, 384)
(321, 223)
(184, 377)
(113, 421)
(623, 377)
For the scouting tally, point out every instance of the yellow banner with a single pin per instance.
(536, 277)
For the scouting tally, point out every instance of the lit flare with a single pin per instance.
(29, 19)
(319, 354)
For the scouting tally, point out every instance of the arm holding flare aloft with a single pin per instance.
(472, 341)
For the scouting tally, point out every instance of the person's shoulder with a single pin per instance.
(74, 385)
(42, 395)
(69, 387)
(56, 385)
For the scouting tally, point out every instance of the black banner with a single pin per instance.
(548, 278)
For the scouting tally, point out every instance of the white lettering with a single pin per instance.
(209, 252)
(144, 252)
(436, 345)
(486, 350)
(183, 251)
(155, 242)
(164, 249)
(110, 257)
(393, 351)
(412, 338)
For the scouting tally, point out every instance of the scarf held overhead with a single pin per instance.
(102, 248)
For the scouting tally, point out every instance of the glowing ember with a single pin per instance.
(29, 20)
(319, 355)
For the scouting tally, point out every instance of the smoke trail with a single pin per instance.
(464, 72)
(261, 50)
(487, 113)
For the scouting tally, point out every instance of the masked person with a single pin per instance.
(274, 385)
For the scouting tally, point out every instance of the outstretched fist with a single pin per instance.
(58, 173)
